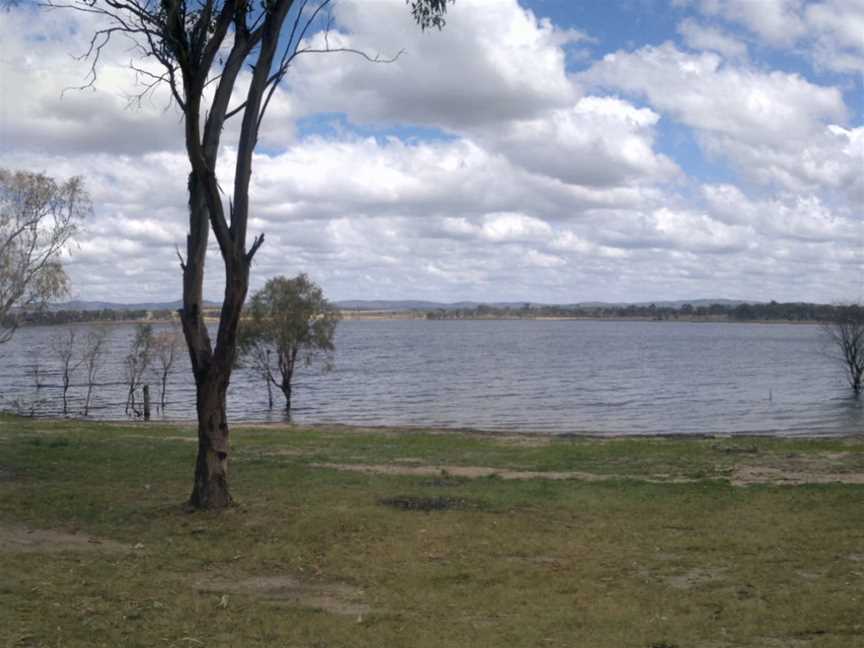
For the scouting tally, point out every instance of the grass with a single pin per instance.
(321, 557)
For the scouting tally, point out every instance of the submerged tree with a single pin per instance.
(289, 319)
(64, 348)
(136, 364)
(202, 47)
(845, 334)
(92, 354)
(38, 217)
(166, 344)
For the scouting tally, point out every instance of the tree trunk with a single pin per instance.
(286, 390)
(287, 361)
(269, 393)
(211, 467)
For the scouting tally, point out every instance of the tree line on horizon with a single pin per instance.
(767, 312)
(772, 311)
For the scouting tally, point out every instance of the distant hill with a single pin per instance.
(82, 305)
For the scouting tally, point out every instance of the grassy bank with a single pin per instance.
(352, 537)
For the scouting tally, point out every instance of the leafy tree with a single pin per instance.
(38, 217)
(201, 49)
(289, 320)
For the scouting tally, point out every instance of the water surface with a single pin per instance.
(513, 375)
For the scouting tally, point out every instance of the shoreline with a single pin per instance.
(431, 430)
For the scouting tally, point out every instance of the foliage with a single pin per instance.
(289, 319)
(38, 217)
(429, 13)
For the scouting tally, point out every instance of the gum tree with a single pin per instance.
(38, 217)
(201, 47)
(289, 320)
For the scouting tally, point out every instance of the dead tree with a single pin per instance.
(137, 362)
(93, 352)
(203, 47)
(845, 334)
(165, 347)
(64, 348)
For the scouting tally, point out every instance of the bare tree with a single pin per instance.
(290, 319)
(166, 344)
(260, 357)
(38, 217)
(203, 46)
(92, 355)
(845, 334)
(137, 362)
(64, 348)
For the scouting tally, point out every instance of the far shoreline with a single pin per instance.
(401, 316)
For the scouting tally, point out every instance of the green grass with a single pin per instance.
(619, 563)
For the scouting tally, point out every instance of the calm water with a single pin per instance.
(531, 376)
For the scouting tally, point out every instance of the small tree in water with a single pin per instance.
(289, 320)
(166, 344)
(845, 333)
(137, 362)
(94, 350)
(64, 346)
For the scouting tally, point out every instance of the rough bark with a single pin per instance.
(210, 489)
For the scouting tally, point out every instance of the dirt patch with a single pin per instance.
(334, 597)
(695, 578)
(427, 504)
(154, 437)
(745, 475)
(476, 472)
(525, 441)
(19, 539)
(252, 455)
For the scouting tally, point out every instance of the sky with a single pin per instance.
(553, 151)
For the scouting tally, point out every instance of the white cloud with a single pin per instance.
(539, 192)
(699, 90)
(600, 141)
(495, 61)
(830, 32)
(702, 37)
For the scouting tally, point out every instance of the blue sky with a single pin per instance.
(542, 150)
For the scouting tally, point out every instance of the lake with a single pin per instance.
(534, 376)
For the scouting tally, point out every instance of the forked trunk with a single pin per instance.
(211, 467)
(286, 391)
